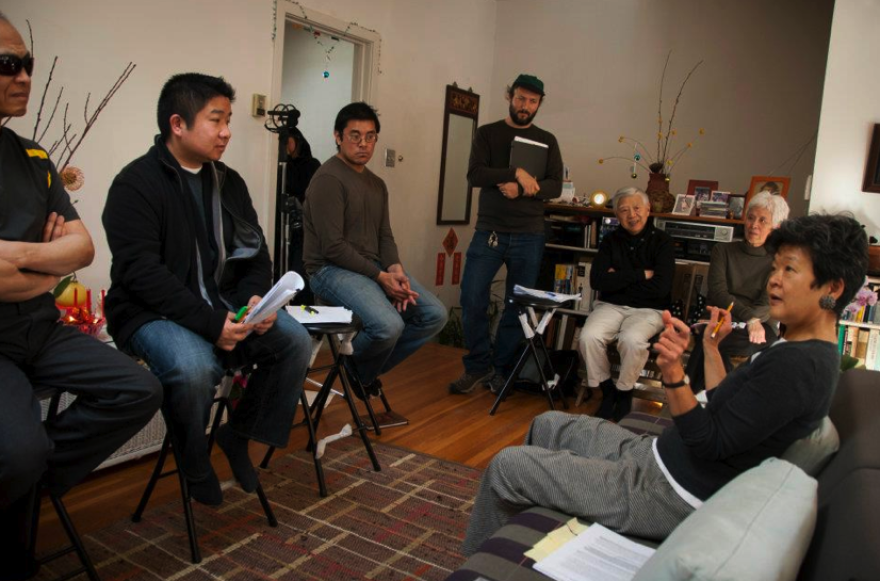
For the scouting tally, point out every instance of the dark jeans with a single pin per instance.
(189, 367)
(388, 337)
(522, 254)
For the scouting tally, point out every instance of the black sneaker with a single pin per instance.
(467, 382)
(496, 384)
(371, 390)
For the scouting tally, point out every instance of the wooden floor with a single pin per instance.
(452, 427)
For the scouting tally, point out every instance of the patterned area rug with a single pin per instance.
(405, 522)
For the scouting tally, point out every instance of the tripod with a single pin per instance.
(288, 213)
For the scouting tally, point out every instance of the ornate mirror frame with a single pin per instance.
(459, 126)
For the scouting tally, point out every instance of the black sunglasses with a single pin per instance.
(11, 65)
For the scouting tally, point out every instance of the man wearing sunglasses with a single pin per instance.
(41, 240)
(350, 253)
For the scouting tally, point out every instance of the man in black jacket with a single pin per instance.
(187, 253)
(633, 273)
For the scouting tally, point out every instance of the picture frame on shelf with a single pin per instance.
(719, 196)
(736, 205)
(774, 184)
(700, 188)
(871, 182)
(684, 205)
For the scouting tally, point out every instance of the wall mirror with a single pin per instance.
(459, 125)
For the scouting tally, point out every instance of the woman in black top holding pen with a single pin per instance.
(593, 469)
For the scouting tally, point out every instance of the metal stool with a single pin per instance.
(533, 329)
(76, 545)
(339, 336)
(223, 406)
(389, 417)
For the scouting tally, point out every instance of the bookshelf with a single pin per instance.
(859, 332)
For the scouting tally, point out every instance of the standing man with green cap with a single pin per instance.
(510, 231)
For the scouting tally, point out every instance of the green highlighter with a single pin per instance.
(241, 313)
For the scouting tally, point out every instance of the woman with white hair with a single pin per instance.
(738, 274)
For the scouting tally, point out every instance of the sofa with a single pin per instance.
(772, 522)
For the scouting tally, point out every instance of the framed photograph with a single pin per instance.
(721, 197)
(684, 205)
(775, 185)
(871, 182)
(701, 189)
(736, 204)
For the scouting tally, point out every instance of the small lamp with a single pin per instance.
(598, 199)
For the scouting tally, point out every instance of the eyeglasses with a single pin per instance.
(11, 65)
(356, 137)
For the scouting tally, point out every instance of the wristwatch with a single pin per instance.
(682, 383)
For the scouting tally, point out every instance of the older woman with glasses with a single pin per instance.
(738, 274)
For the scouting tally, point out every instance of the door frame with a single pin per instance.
(364, 86)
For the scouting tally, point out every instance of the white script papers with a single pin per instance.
(596, 554)
(540, 294)
(319, 315)
(284, 290)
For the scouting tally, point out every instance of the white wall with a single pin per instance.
(425, 45)
(850, 109)
(304, 86)
(97, 38)
(757, 93)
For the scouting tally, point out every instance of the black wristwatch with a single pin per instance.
(677, 384)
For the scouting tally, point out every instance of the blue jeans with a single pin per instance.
(189, 368)
(522, 254)
(388, 337)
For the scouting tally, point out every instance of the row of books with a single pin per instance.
(573, 278)
(863, 344)
(865, 314)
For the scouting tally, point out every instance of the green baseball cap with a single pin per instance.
(530, 82)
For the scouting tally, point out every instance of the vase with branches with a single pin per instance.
(659, 164)
(62, 149)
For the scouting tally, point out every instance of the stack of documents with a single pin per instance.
(555, 297)
(320, 315)
(594, 553)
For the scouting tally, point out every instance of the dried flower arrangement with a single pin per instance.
(663, 161)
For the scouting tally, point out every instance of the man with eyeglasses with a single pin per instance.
(350, 254)
(633, 273)
(510, 231)
(42, 239)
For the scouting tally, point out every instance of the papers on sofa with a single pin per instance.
(597, 554)
(540, 294)
(319, 315)
(555, 539)
(279, 295)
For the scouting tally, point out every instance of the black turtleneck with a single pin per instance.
(629, 256)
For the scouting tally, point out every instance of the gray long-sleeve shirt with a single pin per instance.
(738, 274)
(346, 221)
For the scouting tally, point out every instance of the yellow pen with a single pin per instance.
(720, 321)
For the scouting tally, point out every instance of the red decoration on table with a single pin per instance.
(83, 317)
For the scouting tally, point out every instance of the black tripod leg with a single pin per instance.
(511, 378)
(558, 387)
